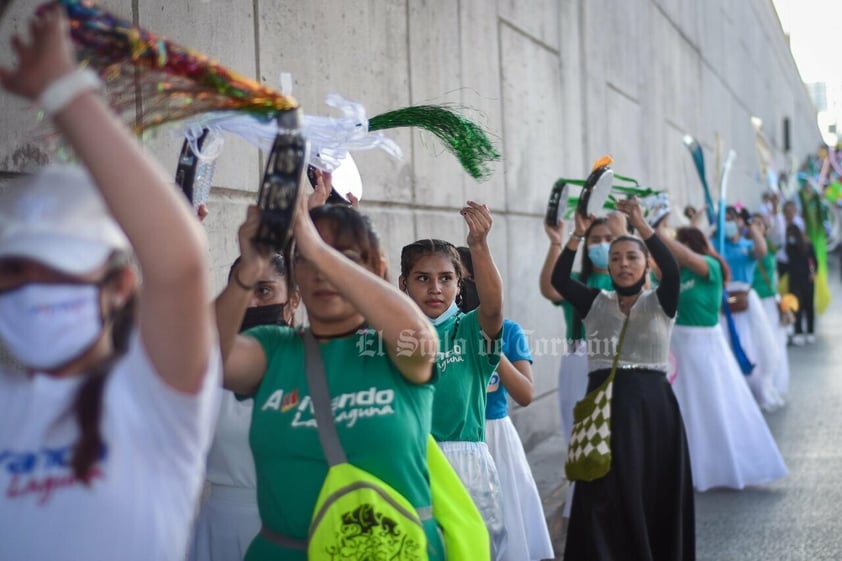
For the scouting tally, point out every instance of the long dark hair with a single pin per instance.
(696, 242)
(348, 225)
(87, 406)
(801, 246)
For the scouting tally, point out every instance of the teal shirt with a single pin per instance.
(766, 286)
(464, 366)
(382, 419)
(601, 281)
(700, 298)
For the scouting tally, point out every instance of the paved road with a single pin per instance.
(798, 518)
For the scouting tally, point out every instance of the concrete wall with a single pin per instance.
(558, 83)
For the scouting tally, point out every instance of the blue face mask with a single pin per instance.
(730, 229)
(598, 254)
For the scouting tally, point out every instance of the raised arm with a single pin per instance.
(556, 235)
(757, 236)
(409, 337)
(486, 276)
(670, 275)
(243, 357)
(685, 256)
(176, 322)
(579, 295)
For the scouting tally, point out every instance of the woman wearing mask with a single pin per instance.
(765, 284)
(103, 439)
(643, 507)
(353, 313)
(431, 274)
(229, 518)
(753, 329)
(573, 370)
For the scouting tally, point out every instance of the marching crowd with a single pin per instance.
(117, 423)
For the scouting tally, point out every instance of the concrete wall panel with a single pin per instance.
(538, 19)
(534, 131)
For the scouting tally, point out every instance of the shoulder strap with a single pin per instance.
(320, 397)
(765, 275)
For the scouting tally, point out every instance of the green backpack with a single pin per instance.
(358, 516)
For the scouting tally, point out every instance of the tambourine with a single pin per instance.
(557, 205)
(193, 175)
(596, 191)
(345, 179)
(278, 195)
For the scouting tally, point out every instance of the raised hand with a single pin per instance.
(582, 224)
(478, 218)
(631, 208)
(555, 233)
(48, 56)
(321, 191)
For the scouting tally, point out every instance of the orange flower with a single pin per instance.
(789, 303)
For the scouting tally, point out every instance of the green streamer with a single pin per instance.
(464, 138)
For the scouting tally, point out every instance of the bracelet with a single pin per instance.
(555, 243)
(575, 236)
(61, 91)
(241, 284)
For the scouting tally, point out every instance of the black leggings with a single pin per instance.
(806, 306)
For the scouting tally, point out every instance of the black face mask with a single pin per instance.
(633, 289)
(272, 314)
(470, 298)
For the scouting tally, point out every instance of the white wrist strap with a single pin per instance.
(60, 92)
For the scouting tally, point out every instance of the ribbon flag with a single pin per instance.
(699, 159)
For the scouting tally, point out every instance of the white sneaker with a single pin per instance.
(811, 339)
(798, 340)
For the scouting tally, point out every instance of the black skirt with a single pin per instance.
(643, 509)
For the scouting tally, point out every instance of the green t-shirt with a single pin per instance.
(601, 281)
(382, 419)
(763, 288)
(700, 298)
(464, 367)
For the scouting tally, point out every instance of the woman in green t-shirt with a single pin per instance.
(765, 284)
(729, 441)
(470, 345)
(378, 352)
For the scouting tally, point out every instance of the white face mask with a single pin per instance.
(45, 326)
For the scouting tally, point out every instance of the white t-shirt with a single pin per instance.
(141, 500)
(230, 461)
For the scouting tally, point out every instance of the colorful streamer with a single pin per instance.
(160, 79)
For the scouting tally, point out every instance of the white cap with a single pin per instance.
(58, 218)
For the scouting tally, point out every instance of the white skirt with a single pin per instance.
(572, 386)
(526, 526)
(227, 523)
(473, 462)
(780, 375)
(759, 344)
(729, 440)
(572, 382)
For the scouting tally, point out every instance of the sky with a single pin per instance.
(815, 30)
